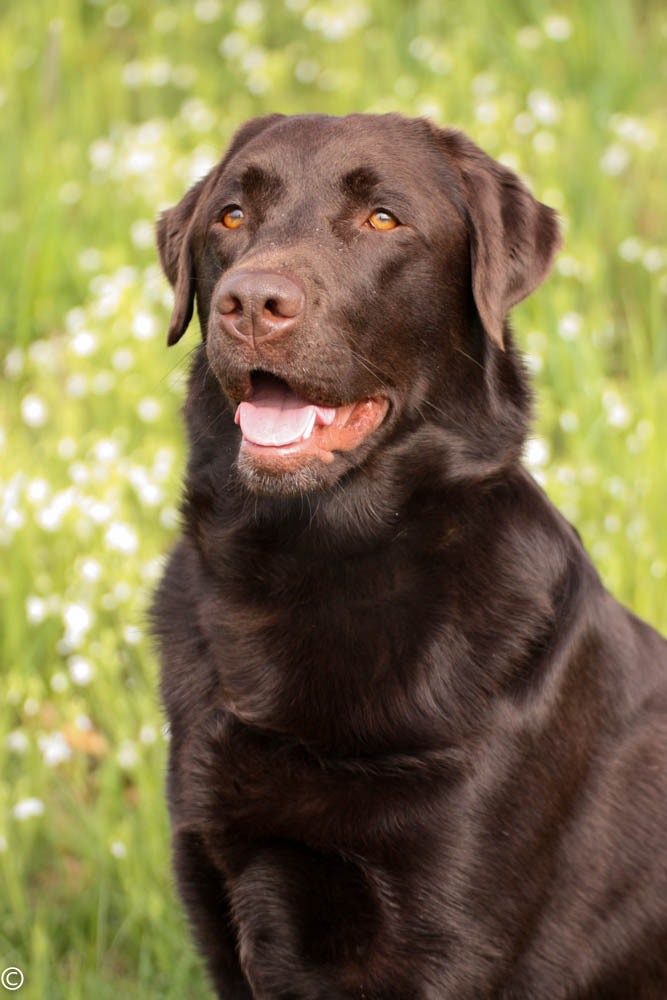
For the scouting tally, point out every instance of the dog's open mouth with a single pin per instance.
(276, 422)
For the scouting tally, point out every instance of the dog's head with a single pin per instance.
(352, 278)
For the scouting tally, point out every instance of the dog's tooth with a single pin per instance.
(309, 427)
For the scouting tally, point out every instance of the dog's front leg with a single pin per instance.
(305, 924)
(202, 890)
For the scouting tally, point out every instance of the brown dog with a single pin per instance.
(418, 752)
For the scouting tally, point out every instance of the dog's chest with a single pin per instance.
(304, 645)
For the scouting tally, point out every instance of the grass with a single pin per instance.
(109, 110)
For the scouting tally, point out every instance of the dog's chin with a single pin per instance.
(284, 479)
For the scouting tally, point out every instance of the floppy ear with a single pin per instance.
(513, 237)
(174, 232)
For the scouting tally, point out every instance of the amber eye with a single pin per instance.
(233, 217)
(381, 219)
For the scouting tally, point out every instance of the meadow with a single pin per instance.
(108, 111)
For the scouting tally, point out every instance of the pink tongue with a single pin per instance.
(276, 416)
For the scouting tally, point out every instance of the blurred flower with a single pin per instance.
(89, 259)
(78, 619)
(233, 44)
(54, 749)
(133, 74)
(165, 20)
(557, 27)
(654, 259)
(486, 112)
(117, 16)
(127, 755)
(34, 410)
(529, 37)
(183, 76)
(118, 849)
(633, 130)
(31, 706)
(14, 362)
(543, 107)
(44, 353)
(122, 590)
(59, 682)
(569, 326)
(536, 452)
(248, 13)
(27, 808)
(328, 79)
(50, 517)
(122, 359)
(84, 343)
(132, 635)
(208, 11)
(197, 115)
(614, 160)
(122, 538)
(147, 734)
(98, 512)
(67, 447)
(17, 741)
(420, 48)
(544, 142)
(484, 84)
(142, 234)
(169, 518)
(35, 609)
(106, 450)
(76, 386)
(144, 326)
(306, 70)
(80, 670)
(149, 410)
(37, 491)
(524, 123)
(158, 72)
(103, 383)
(618, 415)
(90, 570)
(569, 421)
(69, 193)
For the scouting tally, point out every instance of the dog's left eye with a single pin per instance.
(382, 219)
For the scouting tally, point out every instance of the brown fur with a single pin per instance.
(418, 752)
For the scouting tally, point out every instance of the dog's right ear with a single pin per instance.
(174, 231)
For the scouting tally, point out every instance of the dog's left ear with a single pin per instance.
(513, 237)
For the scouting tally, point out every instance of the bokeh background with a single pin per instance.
(108, 111)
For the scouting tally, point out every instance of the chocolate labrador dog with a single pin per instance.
(418, 752)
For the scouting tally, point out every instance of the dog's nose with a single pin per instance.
(259, 305)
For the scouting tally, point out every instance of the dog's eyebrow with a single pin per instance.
(257, 182)
(360, 182)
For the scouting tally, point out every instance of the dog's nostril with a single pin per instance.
(271, 306)
(230, 305)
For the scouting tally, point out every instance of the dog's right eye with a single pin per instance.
(383, 220)
(233, 217)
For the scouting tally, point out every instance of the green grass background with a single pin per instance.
(107, 112)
